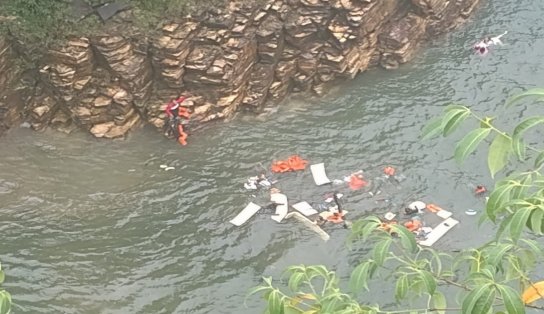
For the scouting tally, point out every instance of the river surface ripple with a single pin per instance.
(91, 226)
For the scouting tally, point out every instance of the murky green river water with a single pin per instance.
(93, 226)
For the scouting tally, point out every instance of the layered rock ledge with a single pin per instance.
(229, 60)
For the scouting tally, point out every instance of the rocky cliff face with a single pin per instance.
(10, 104)
(230, 60)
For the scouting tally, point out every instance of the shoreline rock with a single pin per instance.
(235, 59)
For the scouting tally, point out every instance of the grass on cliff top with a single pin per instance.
(39, 24)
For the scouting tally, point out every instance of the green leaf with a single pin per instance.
(527, 124)
(499, 151)
(291, 310)
(294, 281)
(439, 302)
(451, 119)
(479, 300)
(519, 220)
(497, 252)
(428, 280)
(402, 287)
(535, 221)
(5, 302)
(319, 270)
(380, 251)
(469, 143)
(517, 142)
(512, 300)
(533, 246)
(407, 238)
(2, 276)
(360, 275)
(519, 148)
(455, 107)
(454, 122)
(519, 191)
(498, 197)
(538, 92)
(330, 303)
(275, 303)
(539, 160)
(256, 290)
(432, 129)
(502, 227)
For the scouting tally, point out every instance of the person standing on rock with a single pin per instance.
(175, 112)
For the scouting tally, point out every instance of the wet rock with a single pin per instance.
(227, 59)
(42, 109)
(105, 102)
(399, 41)
(260, 80)
(62, 122)
(170, 50)
(69, 68)
(130, 66)
(10, 101)
(271, 40)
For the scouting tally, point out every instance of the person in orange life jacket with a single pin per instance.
(338, 217)
(175, 112)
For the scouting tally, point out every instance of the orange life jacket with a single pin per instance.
(356, 183)
(413, 225)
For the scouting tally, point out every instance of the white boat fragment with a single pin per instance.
(248, 212)
(318, 172)
(439, 231)
(305, 208)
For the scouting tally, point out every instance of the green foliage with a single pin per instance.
(41, 24)
(5, 297)
(490, 278)
(469, 143)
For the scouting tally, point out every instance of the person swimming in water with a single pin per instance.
(482, 47)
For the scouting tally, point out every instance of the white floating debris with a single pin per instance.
(169, 168)
(417, 205)
(163, 166)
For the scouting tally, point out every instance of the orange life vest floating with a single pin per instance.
(336, 218)
(182, 139)
(413, 225)
(356, 182)
(292, 163)
(433, 208)
(480, 189)
(390, 171)
(386, 226)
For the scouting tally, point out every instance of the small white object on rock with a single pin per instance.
(169, 168)
(163, 166)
